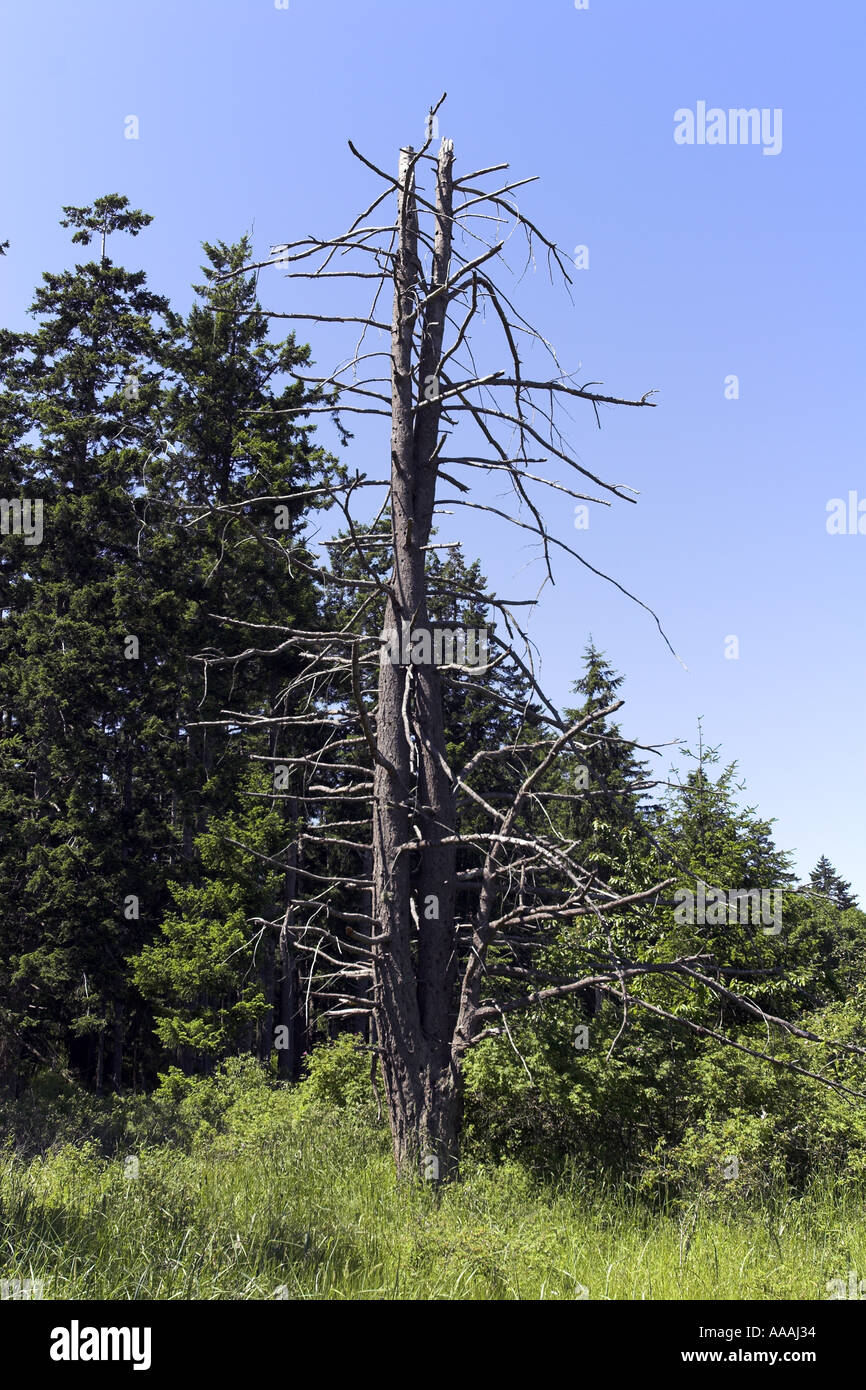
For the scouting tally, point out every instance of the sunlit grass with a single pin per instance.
(318, 1213)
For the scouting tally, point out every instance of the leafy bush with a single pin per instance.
(336, 1076)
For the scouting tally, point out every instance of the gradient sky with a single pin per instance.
(704, 261)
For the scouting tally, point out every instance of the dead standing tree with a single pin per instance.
(410, 956)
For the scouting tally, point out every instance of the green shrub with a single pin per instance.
(336, 1076)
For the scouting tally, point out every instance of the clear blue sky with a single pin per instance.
(705, 261)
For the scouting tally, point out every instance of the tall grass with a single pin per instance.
(314, 1211)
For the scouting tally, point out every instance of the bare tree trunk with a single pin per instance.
(268, 976)
(117, 1048)
(413, 969)
(100, 1062)
(288, 1054)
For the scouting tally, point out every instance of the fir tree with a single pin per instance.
(80, 644)
(824, 879)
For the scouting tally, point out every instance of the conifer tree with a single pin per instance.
(824, 879)
(122, 418)
(235, 416)
(79, 646)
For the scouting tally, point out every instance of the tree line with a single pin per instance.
(173, 826)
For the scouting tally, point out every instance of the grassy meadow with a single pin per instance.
(319, 1214)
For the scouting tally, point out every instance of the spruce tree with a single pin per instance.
(824, 879)
(129, 423)
(80, 643)
(606, 820)
(234, 414)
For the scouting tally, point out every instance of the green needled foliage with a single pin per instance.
(87, 754)
(127, 423)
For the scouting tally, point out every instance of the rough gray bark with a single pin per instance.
(413, 996)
